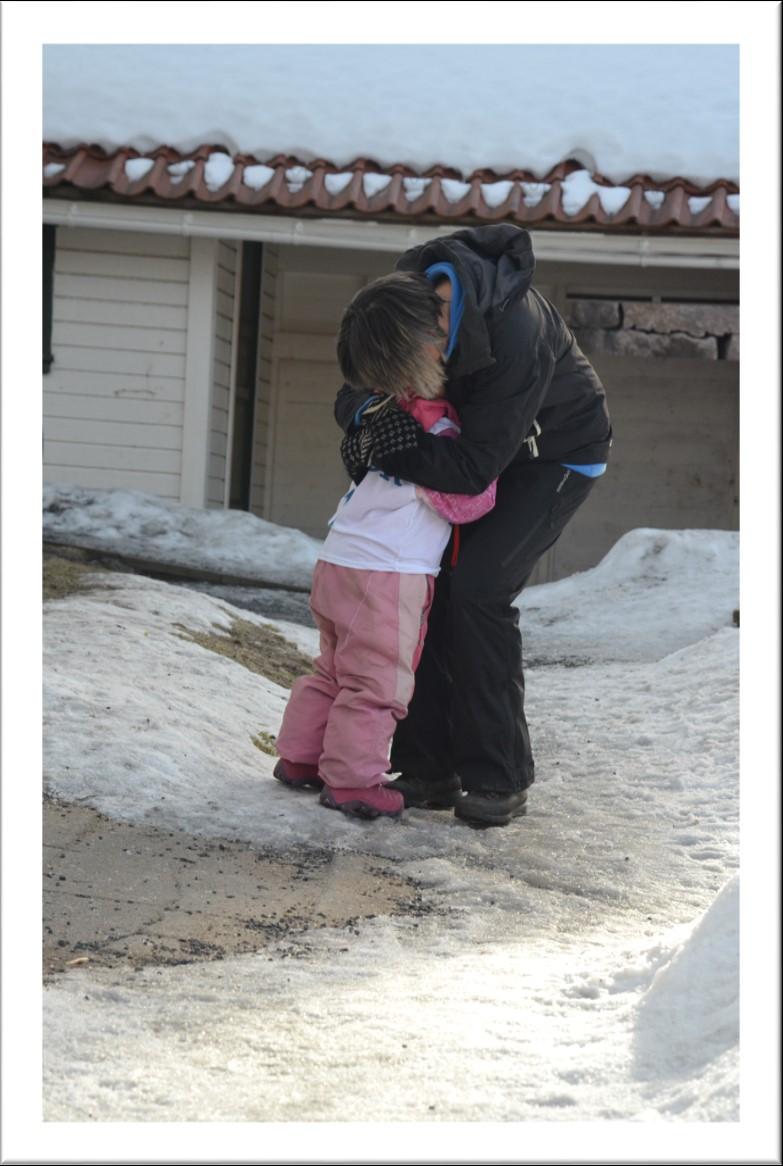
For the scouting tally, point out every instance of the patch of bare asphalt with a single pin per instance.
(124, 894)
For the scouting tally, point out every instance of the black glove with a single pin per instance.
(384, 430)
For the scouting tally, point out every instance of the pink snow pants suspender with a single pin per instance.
(342, 718)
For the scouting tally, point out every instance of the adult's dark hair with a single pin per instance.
(383, 333)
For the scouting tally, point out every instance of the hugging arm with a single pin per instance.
(494, 422)
(503, 402)
(459, 508)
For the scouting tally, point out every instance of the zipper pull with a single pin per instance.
(530, 441)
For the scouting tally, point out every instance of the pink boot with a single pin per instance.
(368, 802)
(296, 776)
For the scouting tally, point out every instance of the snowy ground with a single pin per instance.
(583, 964)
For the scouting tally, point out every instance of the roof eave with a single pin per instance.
(366, 234)
(561, 200)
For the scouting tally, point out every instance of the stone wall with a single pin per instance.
(647, 329)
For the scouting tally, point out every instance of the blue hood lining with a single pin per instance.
(457, 300)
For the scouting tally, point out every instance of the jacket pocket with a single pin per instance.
(571, 491)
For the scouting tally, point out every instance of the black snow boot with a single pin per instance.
(428, 792)
(491, 808)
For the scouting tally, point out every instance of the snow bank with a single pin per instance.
(131, 522)
(687, 1027)
(525, 105)
(653, 593)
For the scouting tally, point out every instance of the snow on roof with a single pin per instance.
(660, 110)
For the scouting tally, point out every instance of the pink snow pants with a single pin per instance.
(342, 718)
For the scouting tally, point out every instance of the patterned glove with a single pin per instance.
(355, 452)
(384, 430)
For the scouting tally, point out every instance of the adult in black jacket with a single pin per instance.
(533, 415)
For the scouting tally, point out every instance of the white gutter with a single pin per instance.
(361, 235)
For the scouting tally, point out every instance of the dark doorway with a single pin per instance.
(49, 243)
(245, 381)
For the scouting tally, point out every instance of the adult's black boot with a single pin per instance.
(428, 791)
(491, 808)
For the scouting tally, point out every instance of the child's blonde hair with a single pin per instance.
(383, 333)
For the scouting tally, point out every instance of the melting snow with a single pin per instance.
(584, 966)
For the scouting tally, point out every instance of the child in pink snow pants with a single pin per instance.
(372, 590)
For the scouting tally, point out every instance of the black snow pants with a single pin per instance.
(467, 712)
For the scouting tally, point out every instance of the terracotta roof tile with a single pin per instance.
(211, 177)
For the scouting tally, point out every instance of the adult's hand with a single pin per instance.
(383, 431)
(355, 454)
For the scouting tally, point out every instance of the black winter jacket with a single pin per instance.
(516, 369)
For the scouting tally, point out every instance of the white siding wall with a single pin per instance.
(113, 401)
(227, 259)
(266, 331)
